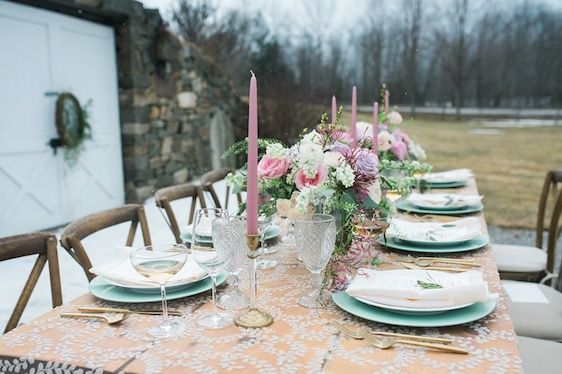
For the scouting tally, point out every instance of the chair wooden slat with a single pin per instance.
(210, 178)
(165, 196)
(45, 246)
(75, 232)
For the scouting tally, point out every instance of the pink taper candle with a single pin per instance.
(375, 128)
(334, 109)
(252, 188)
(386, 100)
(354, 115)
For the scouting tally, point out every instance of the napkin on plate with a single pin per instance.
(456, 175)
(443, 200)
(436, 232)
(400, 288)
(121, 271)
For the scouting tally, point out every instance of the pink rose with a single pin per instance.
(271, 168)
(302, 181)
(399, 149)
(402, 136)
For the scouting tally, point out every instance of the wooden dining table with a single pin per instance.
(300, 339)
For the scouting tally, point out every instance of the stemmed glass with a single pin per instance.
(316, 239)
(234, 235)
(264, 223)
(212, 254)
(159, 263)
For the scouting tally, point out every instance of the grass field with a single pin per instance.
(509, 166)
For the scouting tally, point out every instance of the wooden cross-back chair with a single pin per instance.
(165, 196)
(71, 238)
(210, 178)
(532, 263)
(551, 186)
(44, 245)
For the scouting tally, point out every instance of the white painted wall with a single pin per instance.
(42, 51)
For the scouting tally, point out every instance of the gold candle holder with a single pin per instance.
(253, 317)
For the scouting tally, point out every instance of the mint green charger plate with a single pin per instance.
(407, 207)
(438, 185)
(270, 233)
(106, 291)
(469, 245)
(471, 313)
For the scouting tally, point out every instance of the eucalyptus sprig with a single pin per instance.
(241, 147)
(428, 285)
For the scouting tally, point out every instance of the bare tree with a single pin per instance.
(411, 34)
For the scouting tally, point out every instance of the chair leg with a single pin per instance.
(54, 272)
(144, 226)
(26, 293)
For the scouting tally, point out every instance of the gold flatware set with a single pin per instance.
(385, 340)
(438, 263)
(113, 315)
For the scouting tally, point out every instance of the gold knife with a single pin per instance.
(95, 309)
(437, 268)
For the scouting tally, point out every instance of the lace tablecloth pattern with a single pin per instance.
(300, 340)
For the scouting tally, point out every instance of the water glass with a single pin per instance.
(211, 253)
(159, 263)
(316, 239)
(234, 236)
(264, 263)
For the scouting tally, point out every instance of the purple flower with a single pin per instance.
(340, 147)
(399, 148)
(366, 162)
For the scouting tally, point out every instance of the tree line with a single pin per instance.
(462, 53)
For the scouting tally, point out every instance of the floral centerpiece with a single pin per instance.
(326, 171)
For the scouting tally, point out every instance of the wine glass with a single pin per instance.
(316, 239)
(264, 223)
(234, 235)
(159, 263)
(210, 252)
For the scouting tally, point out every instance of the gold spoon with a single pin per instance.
(109, 318)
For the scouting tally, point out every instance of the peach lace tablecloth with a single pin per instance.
(300, 340)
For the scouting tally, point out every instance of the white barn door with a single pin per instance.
(42, 52)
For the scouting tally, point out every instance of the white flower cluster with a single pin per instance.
(312, 197)
(417, 151)
(276, 150)
(345, 175)
(310, 156)
(312, 137)
(394, 118)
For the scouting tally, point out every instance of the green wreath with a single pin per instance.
(72, 121)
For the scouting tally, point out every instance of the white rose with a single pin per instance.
(364, 129)
(310, 153)
(312, 137)
(374, 192)
(385, 140)
(333, 159)
(416, 151)
(394, 118)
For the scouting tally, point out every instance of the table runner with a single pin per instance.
(300, 340)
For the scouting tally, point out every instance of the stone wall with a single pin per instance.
(170, 94)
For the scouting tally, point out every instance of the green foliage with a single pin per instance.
(241, 147)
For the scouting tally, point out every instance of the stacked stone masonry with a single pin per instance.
(170, 97)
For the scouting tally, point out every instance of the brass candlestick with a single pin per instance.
(253, 317)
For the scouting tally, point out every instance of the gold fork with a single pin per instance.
(355, 334)
(388, 342)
